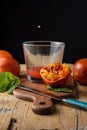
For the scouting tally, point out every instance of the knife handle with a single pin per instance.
(81, 104)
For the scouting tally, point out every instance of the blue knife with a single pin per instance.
(75, 102)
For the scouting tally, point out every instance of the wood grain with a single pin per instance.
(41, 104)
(16, 114)
(42, 88)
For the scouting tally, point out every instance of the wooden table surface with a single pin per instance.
(16, 114)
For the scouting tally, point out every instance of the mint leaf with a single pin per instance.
(57, 89)
(8, 82)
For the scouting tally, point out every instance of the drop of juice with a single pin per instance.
(39, 26)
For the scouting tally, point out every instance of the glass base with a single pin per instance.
(35, 80)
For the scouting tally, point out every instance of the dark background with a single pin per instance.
(60, 20)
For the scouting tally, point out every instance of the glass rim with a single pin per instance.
(36, 42)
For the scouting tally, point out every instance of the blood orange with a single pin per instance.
(4, 53)
(9, 64)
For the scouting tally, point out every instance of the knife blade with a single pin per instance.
(71, 101)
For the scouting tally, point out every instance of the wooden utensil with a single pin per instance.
(44, 104)
(41, 104)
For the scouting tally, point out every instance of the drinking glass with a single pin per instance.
(41, 53)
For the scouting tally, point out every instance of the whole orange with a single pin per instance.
(80, 71)
(9, 64)
(4, 53)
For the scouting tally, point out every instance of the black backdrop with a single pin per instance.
(60, 20)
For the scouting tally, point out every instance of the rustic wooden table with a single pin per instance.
(16, 114)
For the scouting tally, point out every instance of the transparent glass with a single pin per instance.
(41, 53)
